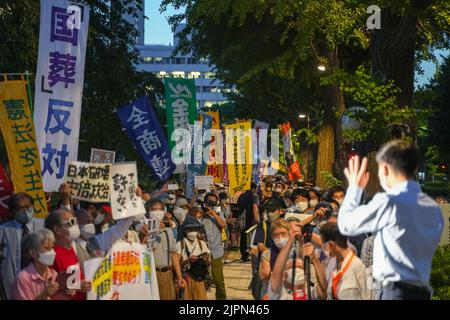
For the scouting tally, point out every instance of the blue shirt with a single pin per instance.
(408, 226)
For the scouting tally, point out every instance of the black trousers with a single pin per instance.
(404, 291)
(243, 245)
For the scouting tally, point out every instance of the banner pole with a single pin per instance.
(30, 98)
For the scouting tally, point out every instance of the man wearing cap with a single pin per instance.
(180, 210)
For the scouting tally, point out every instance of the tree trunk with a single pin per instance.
(374, 184)
(329, 136)
(392, 50)
(325, 144)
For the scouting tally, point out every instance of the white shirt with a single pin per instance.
(408, 226)
(354, 282)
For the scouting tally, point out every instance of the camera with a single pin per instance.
(307, 231)
(328, 209)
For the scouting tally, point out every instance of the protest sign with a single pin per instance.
(144, 130)
(16, 124)
(126, 273)
(59, 86)
(153, 231)
(6, 190)
(239, 156)
(102, 156)
(124, 182)
(181, 107)
(204, 182)
(89, 181)
(215, 165)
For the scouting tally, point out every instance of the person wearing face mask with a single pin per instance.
(164, 250)
(87, 232)
(346, 277)
(180, 210)
(37, 281)
(65, 226)
(300, 198)
(213, 222)
(264, 242)
(408, 224)
(193, 255)
(11, 234)
(337, 193)
(283, 285)
(314, 198)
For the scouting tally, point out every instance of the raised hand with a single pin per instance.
(356, 173)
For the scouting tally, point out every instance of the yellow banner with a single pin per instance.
(214, 168)
(20, 139)
(238, 149)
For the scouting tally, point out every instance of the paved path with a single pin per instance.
(237, 278)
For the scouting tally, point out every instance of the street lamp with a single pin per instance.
(321, 67)
(303, 116)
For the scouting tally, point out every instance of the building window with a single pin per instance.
(193, 75)
(198, 89)
(210, 75)
(178, 74)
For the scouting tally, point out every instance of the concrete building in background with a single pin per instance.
(158, 59)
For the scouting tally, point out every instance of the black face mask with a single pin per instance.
(211, 203)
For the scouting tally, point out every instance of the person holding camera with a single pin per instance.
(288, 280)
(193, 255)
(213, 222)
(346, 276)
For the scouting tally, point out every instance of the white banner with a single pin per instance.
(124, 182)
(126, 273)
(89, 181)
(204, 182)
(59, 86)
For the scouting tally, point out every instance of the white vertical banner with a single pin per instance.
(59, 86)
(124, 182)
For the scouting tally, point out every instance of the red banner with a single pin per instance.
(6, 189)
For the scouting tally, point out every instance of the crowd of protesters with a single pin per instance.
(290, 233)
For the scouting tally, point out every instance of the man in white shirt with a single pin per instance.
(408, 223)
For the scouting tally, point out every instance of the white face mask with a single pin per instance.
(313, 203)
(299, 277)
(47, 258)
(180, 214)
(157, 214)
(192, 235)
(280, 242)
(87, 230)
(99, 218)
(74, 232)
(277, 190)
(302, 205)
(339, 201)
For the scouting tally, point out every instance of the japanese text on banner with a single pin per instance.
(18, 133)
(144, 130)
(239, 157)
(89, 181)
(59, 86)
(124, 182)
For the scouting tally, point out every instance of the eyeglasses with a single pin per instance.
(71, 222)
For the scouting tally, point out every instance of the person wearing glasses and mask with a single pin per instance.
(37, 281)
(11, 234)
(300, 199)
(65, 226)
